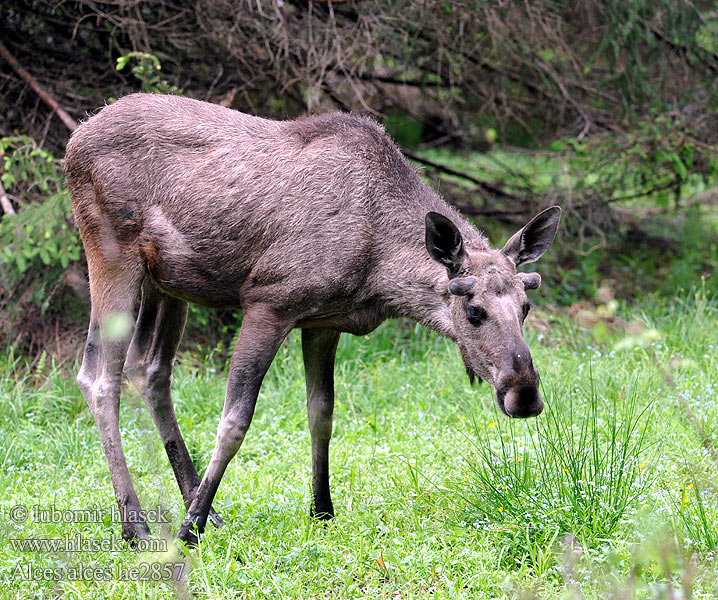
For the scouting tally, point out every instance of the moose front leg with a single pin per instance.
(260, 336)
(319, 348)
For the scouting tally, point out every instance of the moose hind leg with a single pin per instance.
(319, 350)
(160, 323)
(88, 371)
(114, 291)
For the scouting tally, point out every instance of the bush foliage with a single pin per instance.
(617, 100)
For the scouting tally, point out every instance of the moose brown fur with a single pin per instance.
(318, 223)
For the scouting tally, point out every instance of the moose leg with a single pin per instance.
(88, 371)
(160, 323)
(319, 348)
(114, 291)
(261, 335)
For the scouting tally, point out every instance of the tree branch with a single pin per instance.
(484, 185)
(407, 82)
(568, 97)
(5, 202)
(678, 48)
(69, 122)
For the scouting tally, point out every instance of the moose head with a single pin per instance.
(489, 303)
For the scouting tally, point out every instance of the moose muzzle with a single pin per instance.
(517, 387)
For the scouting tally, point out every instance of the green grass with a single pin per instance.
(579, 471)
(419, 464)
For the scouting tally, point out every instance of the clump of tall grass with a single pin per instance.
(578, 469)
(694, 509)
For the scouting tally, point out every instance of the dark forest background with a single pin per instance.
(605, 107)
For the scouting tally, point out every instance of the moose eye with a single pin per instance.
(525, 309)
(475, 314)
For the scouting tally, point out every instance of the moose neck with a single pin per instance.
(410, 283)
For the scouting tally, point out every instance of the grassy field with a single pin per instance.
(609, 491)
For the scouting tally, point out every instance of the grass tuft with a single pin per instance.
(577, 470)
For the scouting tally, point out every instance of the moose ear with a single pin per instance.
(444, 242)
(530, 243)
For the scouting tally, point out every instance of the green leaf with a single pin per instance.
(117, 326)
(7, 179)
(681, 170)
(21, 262)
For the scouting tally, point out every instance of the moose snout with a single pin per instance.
(517, 390)
(520, 403)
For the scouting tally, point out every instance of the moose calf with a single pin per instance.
(318, 223)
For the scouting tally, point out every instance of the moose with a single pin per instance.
(318, 223)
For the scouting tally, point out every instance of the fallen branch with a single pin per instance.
(506, 216)
(707, 198)
(484, 185)
(5, 202)
(69, 122)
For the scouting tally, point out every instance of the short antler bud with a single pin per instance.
(461, 286)
(531, 281)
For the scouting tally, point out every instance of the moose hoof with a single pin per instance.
(325, 513)
(131, 532)
(188, 533)
(215, 518)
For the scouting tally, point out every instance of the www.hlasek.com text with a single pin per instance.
(80, 543)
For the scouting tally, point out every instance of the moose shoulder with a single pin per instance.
(318, 223)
